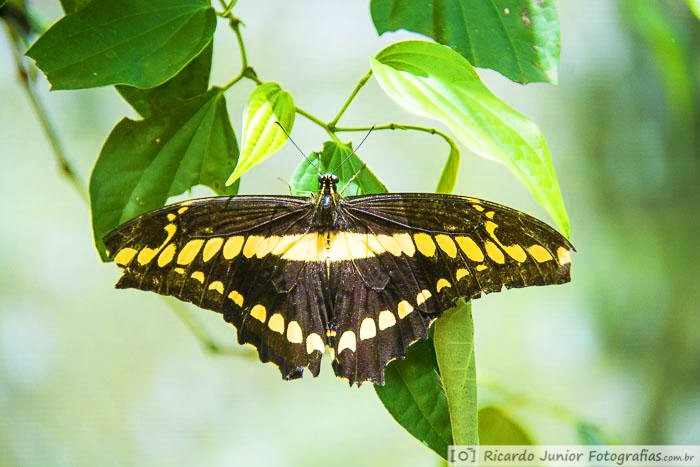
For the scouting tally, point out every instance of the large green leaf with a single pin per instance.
(517, 38)
(453, 339)
(497, 428)
(268, 107)
(354, 176)
(192, 81)
(134, 42)
(434, 81)
(144, 162)
(413, 395)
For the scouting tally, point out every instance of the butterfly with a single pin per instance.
(362, 276)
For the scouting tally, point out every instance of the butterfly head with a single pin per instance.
(327, 183)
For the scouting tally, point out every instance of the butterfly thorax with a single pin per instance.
(326, 208)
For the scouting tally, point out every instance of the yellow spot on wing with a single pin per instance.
(494, 252)
(276, 323)
(259, 312)
(422, 296)
(251, 245)
(124, 256)
(304, 248)
(515, 251)
(285, 243)
(167, 255)
(405, 309)
(233, 246)
(481, 267)
(563, 255)
(461, 272)
(217, 286)
(425, 244)
(447, 245)
(347, 341)
(171, 217)
(404, 241)
(386, 319)
(294, 334)
(179, 270)
(368, 329)
(540, 253)
(478, 207)
(441, 284)
(470, 248)
(211, 248)
(490, 214)
(198, 276)
(314, 342)
(236, 297)
(182, 210)
(390, 244)
(189, 251)
(266, 246)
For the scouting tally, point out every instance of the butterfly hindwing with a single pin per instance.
(217, 254)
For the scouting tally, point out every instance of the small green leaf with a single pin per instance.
(496, 428)
(71, 6)
(144, 162)
(354, 178)
(262, 136)
(448, 179)
(453, 339)
(433, 81)
(133, 42)
(413, 395)
(517, 38)
(192, 81)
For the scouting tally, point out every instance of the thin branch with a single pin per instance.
(342, 110)
(24, 72)
(396, 126)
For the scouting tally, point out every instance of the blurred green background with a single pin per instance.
(90, 376)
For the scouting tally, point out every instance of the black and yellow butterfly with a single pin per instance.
(363, 276)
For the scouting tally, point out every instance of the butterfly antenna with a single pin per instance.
(354, 153)
(311, 161)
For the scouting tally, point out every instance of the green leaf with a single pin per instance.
(262, 136)
(694, 6)
(192, 81)
(517, 38)
(453, 339)
(354, 178)
(448, 179)
(413, 395)
(496, 428)
(433, 81)
(133, 42)
(144, 162)
(71, 6)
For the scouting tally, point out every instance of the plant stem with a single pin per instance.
(397, 126)
(360, 84)
(65, 167)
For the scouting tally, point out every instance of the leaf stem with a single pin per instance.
(360, 84)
